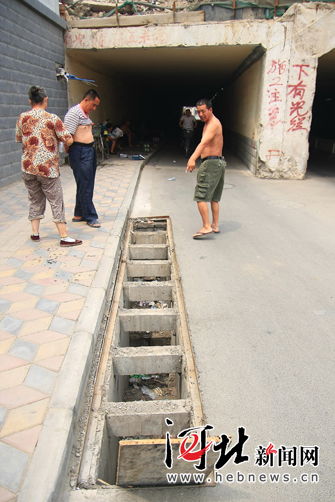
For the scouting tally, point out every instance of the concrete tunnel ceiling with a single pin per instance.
(186, 68)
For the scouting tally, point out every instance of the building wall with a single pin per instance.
(51, 4)
(118, 100)
(30, 45)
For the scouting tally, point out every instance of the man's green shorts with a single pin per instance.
(210, 180)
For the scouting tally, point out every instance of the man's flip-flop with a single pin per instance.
(216, 231)
(199, 235)
(94, 224)
(76, 220)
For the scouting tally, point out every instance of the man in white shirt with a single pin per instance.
(187, 121)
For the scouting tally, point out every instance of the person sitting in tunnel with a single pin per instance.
(126, 129)
(114, 133)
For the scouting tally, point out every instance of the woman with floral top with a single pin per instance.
(40, 133)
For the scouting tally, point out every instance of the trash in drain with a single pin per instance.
(150, 387)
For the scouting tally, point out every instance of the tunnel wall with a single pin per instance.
(118, 99)
(239, 112)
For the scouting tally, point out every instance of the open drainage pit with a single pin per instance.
(146, 372)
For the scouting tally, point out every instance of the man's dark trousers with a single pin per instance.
(83, 161)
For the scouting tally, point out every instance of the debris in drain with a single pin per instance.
(150, 338)
(159, 387)
(147, 305)
(148, 392)
(149, 279)
(134, 378)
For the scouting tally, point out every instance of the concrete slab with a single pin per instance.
(147, 360)
(147, 268)
(147, 418)
(148, 252)
(148, 291)
(158, 237)
(147, 319)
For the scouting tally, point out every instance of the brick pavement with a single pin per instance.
(43, 288)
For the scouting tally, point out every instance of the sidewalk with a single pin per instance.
(51, 303)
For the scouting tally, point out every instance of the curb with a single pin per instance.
(44, 481)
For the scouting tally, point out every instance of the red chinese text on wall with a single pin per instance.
(275, 90)
(298, 112)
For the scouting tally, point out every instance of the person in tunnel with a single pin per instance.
(114, 133)
(83, 157)
(188, 123)
(210, 177)
(127, 131)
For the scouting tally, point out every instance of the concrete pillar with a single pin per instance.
(289, 77)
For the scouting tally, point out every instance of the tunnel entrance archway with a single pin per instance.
(154, 83)
(270, 129)
(322, 136)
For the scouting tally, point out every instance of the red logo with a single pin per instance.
(269, 449)
(188, 454)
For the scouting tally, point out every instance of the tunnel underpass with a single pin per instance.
(322, 135)
(154, 84)
(262, 74)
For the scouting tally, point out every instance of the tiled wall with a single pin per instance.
(30, 46)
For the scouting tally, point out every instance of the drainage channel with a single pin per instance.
(146, 372)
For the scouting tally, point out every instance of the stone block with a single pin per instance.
(24, 350)
(147, 418)
(148, 252)
(13, 465)
(41, 379)
(147, 320)
(147, 360)
(148, 291)
(11, 325)
(147, 268)
(149, 238)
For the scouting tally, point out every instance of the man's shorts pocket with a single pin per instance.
(201, 190)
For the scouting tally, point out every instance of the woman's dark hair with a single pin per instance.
(37, 94)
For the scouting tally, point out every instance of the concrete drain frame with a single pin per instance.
(125, 441)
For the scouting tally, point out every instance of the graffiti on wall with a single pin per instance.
(275, 90)
(296, 92)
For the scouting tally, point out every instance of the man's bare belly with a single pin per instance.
(212, 151)
(83, 134)
(214, 148)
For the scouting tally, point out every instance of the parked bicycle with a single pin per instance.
(100, 142)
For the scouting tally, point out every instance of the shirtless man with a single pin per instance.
(82, 157)
(210, 178)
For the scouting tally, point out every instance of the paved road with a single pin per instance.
(260, 299)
